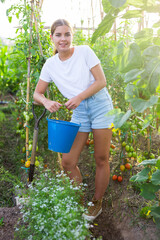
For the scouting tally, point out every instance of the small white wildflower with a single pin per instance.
(90, 204)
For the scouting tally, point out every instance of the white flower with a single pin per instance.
(90, 204)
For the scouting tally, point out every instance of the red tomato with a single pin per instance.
(114, 177)
(128, 166)
(120, 178)
(88, 141)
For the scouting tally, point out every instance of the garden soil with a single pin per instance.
(120, 218)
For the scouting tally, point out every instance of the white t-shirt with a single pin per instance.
(73, 75)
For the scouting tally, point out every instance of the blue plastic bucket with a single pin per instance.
(61, 135)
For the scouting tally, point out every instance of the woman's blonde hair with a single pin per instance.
(57, 23)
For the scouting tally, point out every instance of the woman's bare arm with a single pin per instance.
(39, 97)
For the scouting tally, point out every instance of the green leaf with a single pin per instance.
(140, 105)
(156, 25)
(156, 177)
(147, 121)
(116, 3)
(133, 14)
(156, 40)
(9, 19)
(132, 75)
(148, 191)
(137, 3)
(145, 33)
(158, 108)
(151, 162)
(132, 59)
(155, 213)
(121, 119)
(106, 6)
(153, 51)
(104, 27)
(133, 178)
(131, 92)
(141, 176)
(158, 164)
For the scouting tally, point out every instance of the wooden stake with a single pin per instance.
(28, 80)
(148, 135)
(101, 11)
(92, 15)
(37, 31)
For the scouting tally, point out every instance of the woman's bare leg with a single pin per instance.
(70, 160)
(102, 140)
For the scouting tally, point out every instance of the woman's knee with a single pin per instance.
(67, 162)
(101, 160)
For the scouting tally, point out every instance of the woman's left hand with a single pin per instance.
(73, 102)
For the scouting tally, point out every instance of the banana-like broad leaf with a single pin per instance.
(153, 51)
(145, 33)
(139, 105)
(106, 6)
(156, 177)
(132, 75)
(147, 121)
(131, 92)
(153, 83)
(104, 27)
(156, 40)
(148, 191)
(132, 59)
(136, 3)
(121, 118)
(132, 14)
(116, 3)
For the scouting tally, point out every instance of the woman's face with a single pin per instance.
(62, 38)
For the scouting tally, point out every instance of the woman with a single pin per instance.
(77, 73)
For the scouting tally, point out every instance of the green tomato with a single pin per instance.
(127, 148)
(134, 154)
(124, 144)
(23, 149)
(131, 149)
(114, 134)
(133, 127)
(130, 154)
(23, 136)
(36, 163)
(30, 147)
(31, 115)
(152, 156)
(27, 118)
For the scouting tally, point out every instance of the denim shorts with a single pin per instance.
(91, 112)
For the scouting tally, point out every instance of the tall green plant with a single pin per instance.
(114, 9)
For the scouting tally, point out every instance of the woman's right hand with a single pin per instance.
(51, 106)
